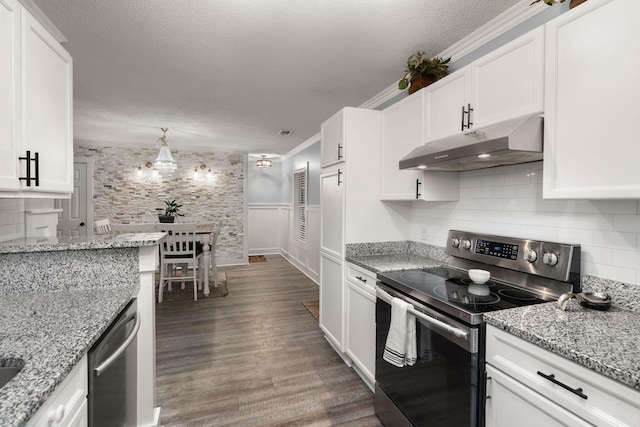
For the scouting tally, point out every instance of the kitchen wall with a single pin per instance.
(122, 192)
(508, 201)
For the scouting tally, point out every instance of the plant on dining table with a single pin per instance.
(169, 212)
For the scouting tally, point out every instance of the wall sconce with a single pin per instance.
(202, 167)
(263, 162)
(140, 171)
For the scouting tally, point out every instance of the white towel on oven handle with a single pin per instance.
(400, 348)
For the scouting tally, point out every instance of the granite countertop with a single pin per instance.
(393, 262)
(47, 333)
(103, 241)
(606, 341)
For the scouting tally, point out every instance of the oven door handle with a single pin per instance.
(428, 319)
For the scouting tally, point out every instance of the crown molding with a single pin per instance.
(502, 23)
(507, 20)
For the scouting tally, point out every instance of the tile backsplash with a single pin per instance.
(508, 201)
(11, 219)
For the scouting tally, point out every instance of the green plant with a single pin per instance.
(171, 209)
(418, 64)
(548, 2)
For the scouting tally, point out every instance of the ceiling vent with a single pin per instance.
(285, 132)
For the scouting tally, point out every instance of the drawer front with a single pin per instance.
(68, 401)
(364, 279)
(596, 398)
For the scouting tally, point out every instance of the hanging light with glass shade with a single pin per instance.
(263, 162)
(164, 163)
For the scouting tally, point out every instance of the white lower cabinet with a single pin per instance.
(530, 386)
(67, 406)
(332, 300)
(360, 316)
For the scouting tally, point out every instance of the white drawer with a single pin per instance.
(67, 401)
(364, 279)
(607, 403)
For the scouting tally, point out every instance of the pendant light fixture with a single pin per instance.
(263, 162)
(164, 163)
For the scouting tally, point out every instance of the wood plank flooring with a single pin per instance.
(254, 358)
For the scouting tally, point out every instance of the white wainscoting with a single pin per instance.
(271, 232)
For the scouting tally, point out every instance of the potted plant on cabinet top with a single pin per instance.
(422, 71)
(169, 212)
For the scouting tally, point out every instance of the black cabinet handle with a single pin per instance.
(82, 224)
(339, 151)
(36, 160)
(552, 378)
(469, 122)
(463, 113)
(418, 184)
(339, 175)
(361, 279)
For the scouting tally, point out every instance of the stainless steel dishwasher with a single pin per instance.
(113, 372)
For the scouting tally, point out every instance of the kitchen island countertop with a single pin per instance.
(47, 333)
(606, 341)
(393, 262)
(98, 241)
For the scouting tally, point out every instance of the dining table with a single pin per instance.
(202, 230)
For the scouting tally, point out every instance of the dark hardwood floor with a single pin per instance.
(254, 358)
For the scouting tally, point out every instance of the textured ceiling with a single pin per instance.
(227, 75)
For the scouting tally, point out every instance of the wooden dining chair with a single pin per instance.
(179, 248)
(102, 226)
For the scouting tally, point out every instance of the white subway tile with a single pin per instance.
(482, 193)
(476, 204)
(531, 191)
(493, 204)
(627, 223)
(504, 192)
(516, 205)
(615, 240)
(467, 193)
(543, 205)
(493, 180)
(593, 221)
(627, 207)
(574, 235)
(577, 206)
(541, 233)
(610, 272)
(535, 176)
(518, 178)
(470, 182)
(628, 259)
(597, 254)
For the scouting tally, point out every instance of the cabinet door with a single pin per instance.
(47, 106)
(332, 299)
(511, 403)
(361, 330)
(591, 145)
(332, 199)
(332, 140)
(9, 94)
(444, 101)
(509, 82)
(402, 131)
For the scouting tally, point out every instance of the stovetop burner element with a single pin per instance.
(517, 294)
(463, 295)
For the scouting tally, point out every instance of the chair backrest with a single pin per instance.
(134, 228)
(213, 237)
(179, 243)
(102, 226)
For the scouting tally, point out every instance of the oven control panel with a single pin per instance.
(497, 249)
(548, 259)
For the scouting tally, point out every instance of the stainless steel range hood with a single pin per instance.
(507, 143)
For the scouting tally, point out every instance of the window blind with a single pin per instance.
(300, 203)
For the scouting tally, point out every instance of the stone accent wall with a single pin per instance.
(122, 192)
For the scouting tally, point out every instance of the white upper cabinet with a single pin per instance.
(36, 108)
(332, 134)
(591, 147)
(504, 84)
(402, 131)
(9, 93)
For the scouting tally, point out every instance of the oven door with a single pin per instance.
(445, 387)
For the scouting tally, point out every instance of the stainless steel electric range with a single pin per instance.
(446, 385)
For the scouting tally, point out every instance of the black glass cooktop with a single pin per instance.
(453, 292)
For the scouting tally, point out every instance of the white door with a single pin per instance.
(76, 218)
(9, 94)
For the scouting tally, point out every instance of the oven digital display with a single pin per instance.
(497, 249)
